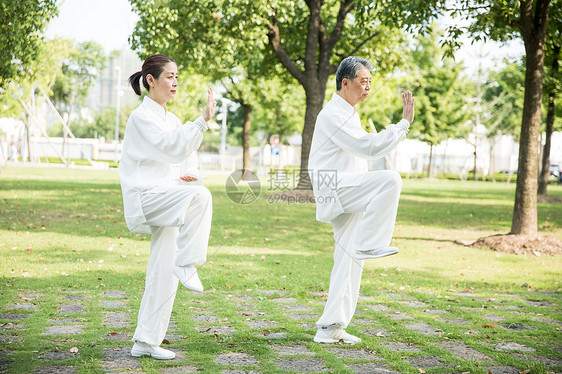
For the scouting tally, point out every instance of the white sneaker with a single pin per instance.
(187, 275)
(333, 334)
(143, 349)
(376, 253)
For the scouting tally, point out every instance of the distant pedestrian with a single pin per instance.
(158, 171)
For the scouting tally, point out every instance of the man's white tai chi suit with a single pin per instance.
(360, 205)
(157, 151)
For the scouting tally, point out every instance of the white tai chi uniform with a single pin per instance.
(360, 205)
(157, 151)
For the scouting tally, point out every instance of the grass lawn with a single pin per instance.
(73, 276)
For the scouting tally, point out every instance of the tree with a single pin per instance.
(441, 105)
(22, 97)
(553, 83)
(21, 27)
(307, 38)
(80, 70)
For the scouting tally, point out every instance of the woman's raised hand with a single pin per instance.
(211, 105)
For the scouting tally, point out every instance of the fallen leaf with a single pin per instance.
(421, 371)
(489, 325)
(165, 341)
(113, 333)
(74, 350)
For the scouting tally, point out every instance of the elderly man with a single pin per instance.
(360, 205)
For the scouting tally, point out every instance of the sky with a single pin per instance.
(111, 22)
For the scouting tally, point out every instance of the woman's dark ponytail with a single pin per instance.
(153, 65)
(134, 81)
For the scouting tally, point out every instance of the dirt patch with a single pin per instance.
(521, 244)
(549, 199)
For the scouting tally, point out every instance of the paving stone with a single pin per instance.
(463, 351)
(377, 332)
(455, 321)
(467, 294)
(298, 308)
(30, 296)
(298, 317)
(274, 292)
(8, 339)
(517, 326)
(300, 365)
(321, 294)
(119, 359)
(71, 308)
(64, 330)
(293, 350)
(23, 306)
(507, 307)
(240, 372)
(424, 329)
(112, 304)
(120, 335)
(435, 311)
(11, 326)
(74, 298)
(370, 368)
(242, 298)
(115, 294)
(501, 369)
(66, 320)
(58, 356)
(235, 358)
(357, 354)
(172, 326)
(547, 361)
(402, 347)
(284, 300)
(493, 317)
(261, 324)
(538, 303)
(379, 308)
(14, 316)
(116, 319)
(426, 361)
(216, 330)
(205, 318)
(274, 335)
(547, 320)
(399, 316)
(180, 369)
(54, 370)
(363, 321)
(513, 347)
(414, 304)
(5, 359)
(173, 337)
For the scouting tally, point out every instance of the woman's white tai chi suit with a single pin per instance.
(360, 205)
(157, 150)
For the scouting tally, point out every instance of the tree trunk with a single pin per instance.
(533, 30)
(246, 140)
(429, 168)
(314, 101)
(545, 171)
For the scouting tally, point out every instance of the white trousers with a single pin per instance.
(367, 223)
(180, 220)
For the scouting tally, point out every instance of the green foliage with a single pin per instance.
(21, 26)
(441, 93)
(80, 69)
(509, 83)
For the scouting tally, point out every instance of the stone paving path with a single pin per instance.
(415, 338)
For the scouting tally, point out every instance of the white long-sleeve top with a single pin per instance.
(157, 151)
(339, 152)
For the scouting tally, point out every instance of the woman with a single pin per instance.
(158, 173)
